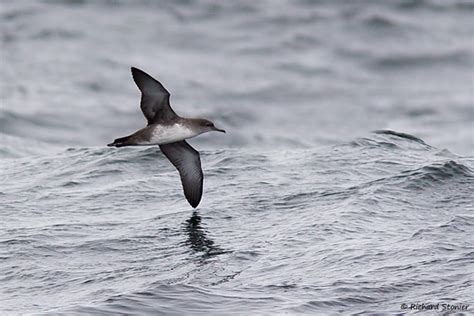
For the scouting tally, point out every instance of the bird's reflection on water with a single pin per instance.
(198, 240)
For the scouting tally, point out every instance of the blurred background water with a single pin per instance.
(305, 210)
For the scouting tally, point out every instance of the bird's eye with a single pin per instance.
(209, 124)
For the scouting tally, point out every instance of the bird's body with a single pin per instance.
(159, 134)
(168, 130)
(165, 134)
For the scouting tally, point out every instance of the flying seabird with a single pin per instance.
(170, 131)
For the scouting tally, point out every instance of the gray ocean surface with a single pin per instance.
(344, 183)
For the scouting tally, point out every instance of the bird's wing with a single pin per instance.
(186, 159)
(155, 102)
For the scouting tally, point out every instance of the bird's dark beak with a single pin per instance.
(219, 130)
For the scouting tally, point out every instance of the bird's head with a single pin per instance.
(207, 126)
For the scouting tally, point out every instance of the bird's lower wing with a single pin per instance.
(186, 159)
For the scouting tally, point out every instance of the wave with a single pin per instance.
(392, 60)
(441, 171)
(262, 212)
(392, 140)
(176, 299)
(456, 224)
(412, 5)
(420, 59)
(414, 180)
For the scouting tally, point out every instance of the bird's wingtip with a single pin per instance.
(134, 70)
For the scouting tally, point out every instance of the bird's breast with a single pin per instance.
(165, 134)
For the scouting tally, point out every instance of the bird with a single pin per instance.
(169, 131)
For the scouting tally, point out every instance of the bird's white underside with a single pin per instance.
(170, 134)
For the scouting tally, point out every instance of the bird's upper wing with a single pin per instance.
(186, 159)
(155, 102)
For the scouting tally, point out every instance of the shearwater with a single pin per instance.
(170, 131)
